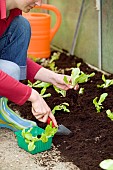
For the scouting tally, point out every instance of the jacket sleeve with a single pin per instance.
(32, 69)
(2, 9)
(14, 90)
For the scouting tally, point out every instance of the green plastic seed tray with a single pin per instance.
(39, 145)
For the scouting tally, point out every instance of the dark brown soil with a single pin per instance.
(92, 139)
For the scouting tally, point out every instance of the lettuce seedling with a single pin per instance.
(78, 65)
(98, 104)
(78, 76)
(43, 85)
(54, 57)
(30, 139)
(62, 106)
(52, 66)
(46, 95)
(107, 164)
(58, 90)
(109, 114)
(50, 131)
(38, 84)
(81, 91)
(51, 63)
(107, 82)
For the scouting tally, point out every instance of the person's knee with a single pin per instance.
(10, 68)
(23, 26)
(15, 71)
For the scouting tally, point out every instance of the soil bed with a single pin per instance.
(92, 139)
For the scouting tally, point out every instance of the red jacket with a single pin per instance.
(9, 87)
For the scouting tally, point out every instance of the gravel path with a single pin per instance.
(12, 157)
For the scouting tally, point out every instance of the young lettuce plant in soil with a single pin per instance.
(92, 139)
(109, 114)
(98, 105)
(40, 84)
(62, 106)
(107, 164)
(44, 86)
(107, 82)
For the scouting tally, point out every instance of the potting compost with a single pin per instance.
(91, 140)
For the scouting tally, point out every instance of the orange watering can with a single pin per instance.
(41, 31)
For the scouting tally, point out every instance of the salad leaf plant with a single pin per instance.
(51, 63)
(30, 84)
(98, 104)
(107, 82)
(40, 84)
(54, 57)
(46, 95)
(81, 91)
(44, 86)
(52, 66)
(62, 106)
(78, 76)
(107, 164)
(109, 114)
(78, 65)
(58, 90)
(30, 139)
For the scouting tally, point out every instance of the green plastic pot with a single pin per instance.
(40, 146)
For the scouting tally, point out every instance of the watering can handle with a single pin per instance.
(58, 17)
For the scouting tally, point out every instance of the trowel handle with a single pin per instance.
(49, 120)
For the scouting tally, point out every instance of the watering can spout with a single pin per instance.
(42, 33)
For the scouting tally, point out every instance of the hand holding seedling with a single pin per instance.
(55, 79)
(60, 83)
